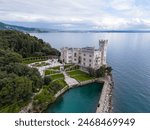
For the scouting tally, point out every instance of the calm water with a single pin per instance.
(78, 100)
(129, 56)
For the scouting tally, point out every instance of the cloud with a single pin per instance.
(94, 14)
(122, 4)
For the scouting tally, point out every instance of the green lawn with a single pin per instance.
(81, 78)
(49, 72)
(57, 76)
(56, 68)
(79, 75)
(76, 72)
(61, 82)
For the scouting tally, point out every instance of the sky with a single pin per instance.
(77, 14)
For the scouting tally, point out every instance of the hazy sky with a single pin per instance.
(86, 14)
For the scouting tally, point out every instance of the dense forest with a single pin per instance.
(18, 82)
(24, 44)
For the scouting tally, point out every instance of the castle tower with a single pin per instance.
(103, 50)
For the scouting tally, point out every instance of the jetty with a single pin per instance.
(105, 101)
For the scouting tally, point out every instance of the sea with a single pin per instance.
(129, 56)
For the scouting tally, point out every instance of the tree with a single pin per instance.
(47, 80)
(101, 71)
(109, 69)
(18, 82)
(92, 72)
(25, 45)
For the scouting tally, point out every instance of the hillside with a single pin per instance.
(24, 44)
(18, 82)
(4, 26)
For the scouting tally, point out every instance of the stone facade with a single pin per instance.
(86, 57)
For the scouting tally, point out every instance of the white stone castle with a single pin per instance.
(86, 57)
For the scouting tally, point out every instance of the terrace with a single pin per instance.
(79, 75)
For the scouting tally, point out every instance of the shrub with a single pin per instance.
(47, 80)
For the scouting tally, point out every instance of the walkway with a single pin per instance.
(70, 81)
(51, 63)
(29, 107)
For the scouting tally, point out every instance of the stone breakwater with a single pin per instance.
(105, 102)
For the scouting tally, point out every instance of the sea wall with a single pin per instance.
(61, 92)
(105, 101)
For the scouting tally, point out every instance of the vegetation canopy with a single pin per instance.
(18, 82)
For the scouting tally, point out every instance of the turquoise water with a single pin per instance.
(78, 100)
(129, 56)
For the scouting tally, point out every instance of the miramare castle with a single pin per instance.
(86, 57)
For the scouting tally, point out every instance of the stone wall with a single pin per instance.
(105, 101)
(61, 92)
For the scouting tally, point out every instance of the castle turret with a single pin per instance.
(103, 50)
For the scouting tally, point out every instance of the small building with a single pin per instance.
(87, 56)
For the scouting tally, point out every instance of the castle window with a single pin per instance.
(75, 59)
(90, 55)
(89, 65)
(84, 64)
(84, 59)
(90, 60)
(75, 54)
(84, 54)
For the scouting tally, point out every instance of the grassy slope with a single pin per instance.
(50, 71)
(79, 75)
(57, 76)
